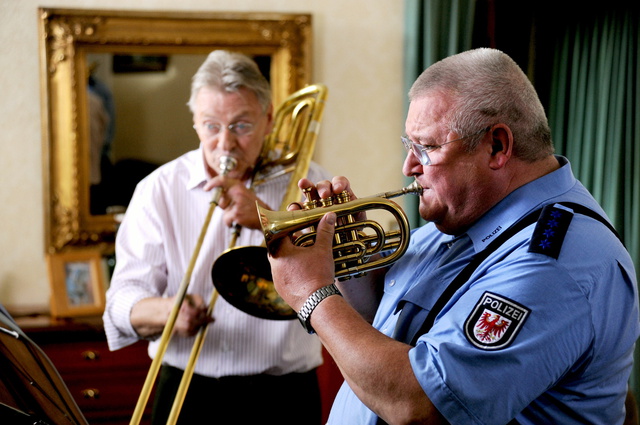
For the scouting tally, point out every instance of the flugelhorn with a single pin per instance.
(245, 281)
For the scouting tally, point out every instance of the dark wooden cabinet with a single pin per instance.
(105, 384)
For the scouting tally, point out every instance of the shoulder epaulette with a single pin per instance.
(551, 228)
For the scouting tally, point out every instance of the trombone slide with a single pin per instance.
(227, 163)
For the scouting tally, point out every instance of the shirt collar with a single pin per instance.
(521, 201)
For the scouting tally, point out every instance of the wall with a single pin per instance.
(357, 53)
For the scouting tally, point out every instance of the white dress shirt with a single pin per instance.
(154, 246)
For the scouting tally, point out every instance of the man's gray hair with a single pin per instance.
(229, 71)
(487, 87)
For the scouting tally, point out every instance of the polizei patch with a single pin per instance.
(495, 321)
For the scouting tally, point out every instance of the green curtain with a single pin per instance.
(594, 114)
(594, 96)
(434, 29)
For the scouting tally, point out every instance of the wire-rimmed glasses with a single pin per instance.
(422, 151)
(238, 128)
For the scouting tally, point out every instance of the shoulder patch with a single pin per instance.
(550, 231)
(495, 321)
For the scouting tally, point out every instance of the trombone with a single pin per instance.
(287, 149)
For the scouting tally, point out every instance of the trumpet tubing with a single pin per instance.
(356, 241)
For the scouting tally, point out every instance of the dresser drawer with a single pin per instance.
(105, 384)
(95, 355)
(111, 395)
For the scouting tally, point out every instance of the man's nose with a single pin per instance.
(410, 164)
(226, 139)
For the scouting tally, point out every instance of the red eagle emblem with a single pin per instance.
(490, 327)
(495, 321)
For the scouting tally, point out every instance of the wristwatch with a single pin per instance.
(304, 315)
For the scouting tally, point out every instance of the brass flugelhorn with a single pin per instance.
(245, 281)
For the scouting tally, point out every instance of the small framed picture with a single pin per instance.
(77, 283)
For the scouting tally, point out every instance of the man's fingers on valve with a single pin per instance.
(340, 184)
(324, 189)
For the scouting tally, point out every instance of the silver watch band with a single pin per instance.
(304, 315)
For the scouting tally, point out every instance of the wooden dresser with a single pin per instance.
(105, 384)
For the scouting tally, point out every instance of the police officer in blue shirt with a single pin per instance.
(515, 304)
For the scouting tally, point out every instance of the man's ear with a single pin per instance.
(270, 118)
(501, 140)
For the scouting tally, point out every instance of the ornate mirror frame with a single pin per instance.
(67, 36)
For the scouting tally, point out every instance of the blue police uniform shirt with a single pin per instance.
(529, 336)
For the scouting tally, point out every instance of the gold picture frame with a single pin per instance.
(77, 283)
(67, 39)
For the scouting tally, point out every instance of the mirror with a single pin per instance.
(145, 61)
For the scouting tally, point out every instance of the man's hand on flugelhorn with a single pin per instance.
(299, 271)
(328, 226)
(326, 189)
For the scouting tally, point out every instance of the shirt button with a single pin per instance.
(392, 282)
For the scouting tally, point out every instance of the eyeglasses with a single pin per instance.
(238, 128)
(422, 151)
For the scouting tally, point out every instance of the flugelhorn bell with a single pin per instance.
(243, 278)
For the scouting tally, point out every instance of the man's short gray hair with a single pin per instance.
(229, 71)
(487, 87)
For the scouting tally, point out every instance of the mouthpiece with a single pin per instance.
(413, 188)
(227, 163)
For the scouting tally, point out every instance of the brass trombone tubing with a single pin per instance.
(304, 152)
(226, 164)
(191, 365)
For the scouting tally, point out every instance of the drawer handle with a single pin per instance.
(91, 393)
(90, 355)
